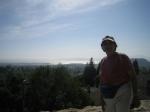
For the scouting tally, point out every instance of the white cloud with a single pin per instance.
(38, 11)
(34, 16)
(109, 2)
(17, 32)
(76, 5)
(43, 10)
(67, 5)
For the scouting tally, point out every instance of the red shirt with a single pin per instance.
(114, 69)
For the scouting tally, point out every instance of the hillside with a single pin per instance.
(143, 63)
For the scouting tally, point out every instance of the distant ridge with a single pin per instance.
(23, 64)
(143, 62)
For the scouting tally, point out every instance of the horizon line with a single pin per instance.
(96, 61)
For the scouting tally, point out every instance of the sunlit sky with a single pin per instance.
(54, 31)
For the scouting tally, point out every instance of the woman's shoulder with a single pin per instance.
(124, 57)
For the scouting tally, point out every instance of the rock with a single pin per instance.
(86, 109)
(145, 107)
(99, 109)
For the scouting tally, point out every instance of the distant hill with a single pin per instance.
(23, 64)
(76, 67)
(143, 63)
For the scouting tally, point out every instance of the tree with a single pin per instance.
(5, 100)
(89, 74)
(32, 89)
(53, 88)
(10, 89)
(136, 66)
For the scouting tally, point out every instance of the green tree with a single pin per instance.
(5, 100)
(144, 70)
(136, 66)
(89, 74)
(11, 87)
(54, 88)
(31, 89)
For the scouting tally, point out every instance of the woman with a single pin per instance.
(117, 78)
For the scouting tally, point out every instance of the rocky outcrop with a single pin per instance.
(86, 109)
(99, 109)
(145, 107)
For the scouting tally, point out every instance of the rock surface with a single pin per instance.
(145, 107)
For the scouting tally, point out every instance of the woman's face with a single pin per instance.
(108, 46)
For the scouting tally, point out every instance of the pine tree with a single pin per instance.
(89, 74)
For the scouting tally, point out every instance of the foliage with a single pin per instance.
(144, 70)
(39, 88)
(10, 89)
(136, 66)
(89, 74)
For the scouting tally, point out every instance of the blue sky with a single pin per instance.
(66, 31)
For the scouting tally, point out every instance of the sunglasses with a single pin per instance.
(107, 43)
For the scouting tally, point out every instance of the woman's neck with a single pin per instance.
(110, 53)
